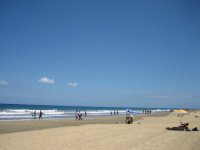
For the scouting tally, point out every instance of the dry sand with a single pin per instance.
(103, 133)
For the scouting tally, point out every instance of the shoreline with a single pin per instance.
(32, 125)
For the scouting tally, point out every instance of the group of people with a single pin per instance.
(146, 111)
(114, 113)
(40, 114)
(79, 115)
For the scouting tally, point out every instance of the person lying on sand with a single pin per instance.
(181, 127)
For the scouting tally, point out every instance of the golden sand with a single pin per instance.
(103, 133)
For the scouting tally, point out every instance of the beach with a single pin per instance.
(148, 131)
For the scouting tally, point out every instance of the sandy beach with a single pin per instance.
(147, 132)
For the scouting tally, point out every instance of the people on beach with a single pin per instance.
(181, 127)
(127, 116)
(111, 113)
(80, 115)
(147, 111)
(130, 119)
(85, 114)
(117, 112)
(40, 114)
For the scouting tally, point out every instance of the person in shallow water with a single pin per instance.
(40, 115)
(34, 114)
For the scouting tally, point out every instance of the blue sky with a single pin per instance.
(100, 53)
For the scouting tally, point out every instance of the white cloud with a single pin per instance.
(169, 96)
(46, 80)
(73, 84)
(3, 82)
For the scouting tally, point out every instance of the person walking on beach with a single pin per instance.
(85, 114)
(40, 115)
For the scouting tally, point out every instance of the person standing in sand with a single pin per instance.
(80, 115)
(127, 116)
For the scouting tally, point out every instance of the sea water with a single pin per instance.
(17, 112)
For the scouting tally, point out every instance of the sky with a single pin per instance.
(111, 53)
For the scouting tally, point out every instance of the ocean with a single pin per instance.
(19, 112)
